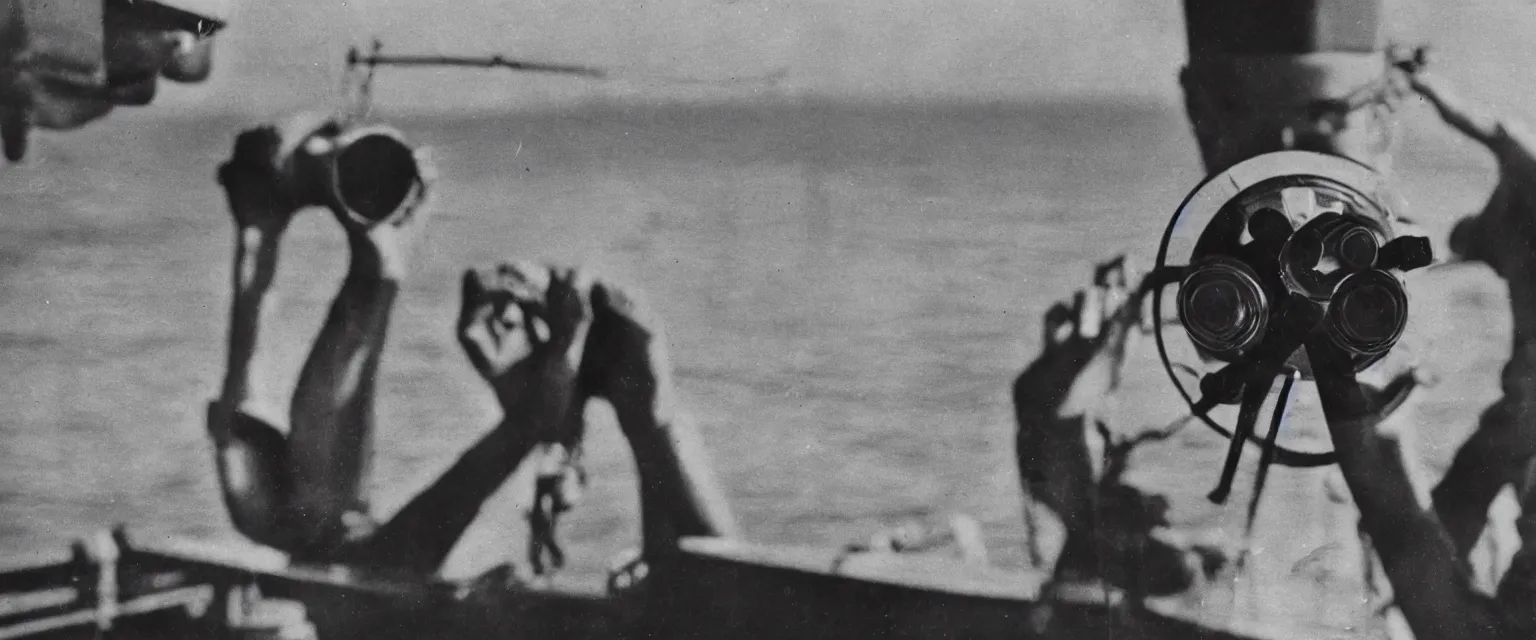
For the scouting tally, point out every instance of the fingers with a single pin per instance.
(302, 129)
(424, 198)
(1115, 279)
(1110, 272)
(1123, 282)
(1100, 312)
(1060, 324)
(612, 299)
(254, 150)
(615, 302)
(426, 163)
(261, 178)
(1088, 306)
(565, 305)
(474, 330)
(253, 188)
(494, 329)
(624, 329)
(523, 280)
(470, 290)
(518, 306)
(1104, 302)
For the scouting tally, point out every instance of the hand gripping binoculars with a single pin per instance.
(369, 174)
(1299, 253)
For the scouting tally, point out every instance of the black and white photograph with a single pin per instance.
(822, 319)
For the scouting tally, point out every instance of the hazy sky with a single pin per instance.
(280, 54)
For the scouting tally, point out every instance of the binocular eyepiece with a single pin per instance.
(1223, 306)
(1368, 313)
(1250, 267)
(369, 174)
(373, 173)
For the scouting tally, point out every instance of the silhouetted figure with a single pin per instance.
(1061, 401)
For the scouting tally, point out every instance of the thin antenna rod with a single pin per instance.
(484, 62)
(375, 59)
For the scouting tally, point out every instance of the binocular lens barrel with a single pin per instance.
(1368, 313)
(1223, 307)
(1356, 248)
(373, 175)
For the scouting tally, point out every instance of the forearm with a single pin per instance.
(679, 492)
(255, 264)
(1474, 124)
(1048, 386)
(1067, 382)
(1456, 112)
(331, 417)
(1431, 582)
(332, 387)
(422, 534)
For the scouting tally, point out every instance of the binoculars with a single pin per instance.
(1295, 271)
(369, 174)
(1300, 254)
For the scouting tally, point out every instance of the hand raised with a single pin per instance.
(1085, 344)
(626, 360)
(524, 327)
(264, 177)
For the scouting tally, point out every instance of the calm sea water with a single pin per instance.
(849, 293)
